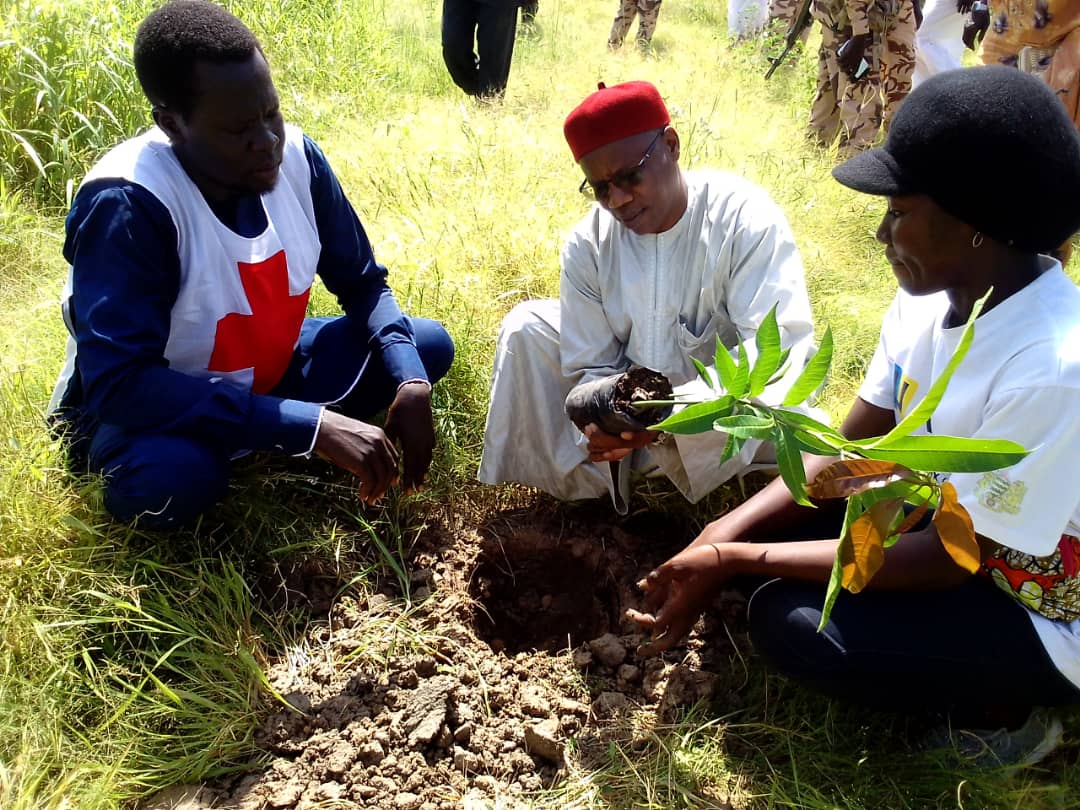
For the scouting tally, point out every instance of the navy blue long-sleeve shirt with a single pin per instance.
(121, 244)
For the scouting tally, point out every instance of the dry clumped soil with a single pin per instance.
(526, 671)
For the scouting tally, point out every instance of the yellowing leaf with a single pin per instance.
(912, 520)
(956, 530)
(865, 544)
(842, 479)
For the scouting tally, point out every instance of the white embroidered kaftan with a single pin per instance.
(650, 300)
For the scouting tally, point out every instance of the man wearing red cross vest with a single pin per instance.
(193, 248)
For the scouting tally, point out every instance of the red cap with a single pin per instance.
(613, 113)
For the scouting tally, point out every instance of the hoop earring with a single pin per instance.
(977, 239)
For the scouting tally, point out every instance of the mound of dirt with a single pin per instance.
(526, 650)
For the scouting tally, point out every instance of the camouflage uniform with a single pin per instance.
(782, 14)
(855, 111)
(648, 9)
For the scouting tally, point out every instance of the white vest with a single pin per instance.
(232, 320)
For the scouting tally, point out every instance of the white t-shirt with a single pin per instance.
(1020, 380)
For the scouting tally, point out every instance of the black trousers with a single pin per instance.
(492, 25)
(958, 650)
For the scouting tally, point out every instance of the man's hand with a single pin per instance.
(676, 593)
(409, 422)
(976, 27)
(362, 449)
(608, 447)
(851, 53)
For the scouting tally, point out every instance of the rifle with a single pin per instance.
(801, 20)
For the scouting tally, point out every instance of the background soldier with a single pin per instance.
(649, 11)
(784, 13)
(865, 64)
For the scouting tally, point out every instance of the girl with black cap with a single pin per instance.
(981, 176)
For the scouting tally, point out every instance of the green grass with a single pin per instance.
(132, 661)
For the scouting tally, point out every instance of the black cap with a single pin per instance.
(992, 146)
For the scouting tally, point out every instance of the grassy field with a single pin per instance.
(132, 661)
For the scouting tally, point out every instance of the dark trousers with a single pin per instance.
(959, 650)
(167, 480)
(492, 24)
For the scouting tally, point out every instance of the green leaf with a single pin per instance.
(814, 436)
(779, 375)
(854, 509)
(825, 432)
(725, 366)
(731, 448)
(768, 361)
(925, 409)
(741, 384)
(784, 355)
(789, 459)
(746, 426)
(703, 372)
(907, 490)
(812, 444)
(696, 418)
(783, 369)
(813, 375)
(945, 453)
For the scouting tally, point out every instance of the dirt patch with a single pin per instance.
(515, 646)
(533, 592)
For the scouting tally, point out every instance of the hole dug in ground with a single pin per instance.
(533, 591)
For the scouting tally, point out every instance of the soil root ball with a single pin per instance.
(611, 402)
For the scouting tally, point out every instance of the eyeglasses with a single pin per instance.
(627, 180)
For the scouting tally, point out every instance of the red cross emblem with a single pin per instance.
(263, 340)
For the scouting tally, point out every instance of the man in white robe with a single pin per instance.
(939, 42)
(666, 263)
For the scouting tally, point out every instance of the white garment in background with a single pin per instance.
(747, 17)
(650, 300)
(938, 42)
(1020, 380)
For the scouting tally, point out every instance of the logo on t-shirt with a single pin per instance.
(904, 389)
(998, 494)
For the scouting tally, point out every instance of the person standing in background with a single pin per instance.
(746, 18)
(648, 10)
(782, 13)
(1040, 37)
(865, 64)
(939, 42)
(489, 24)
